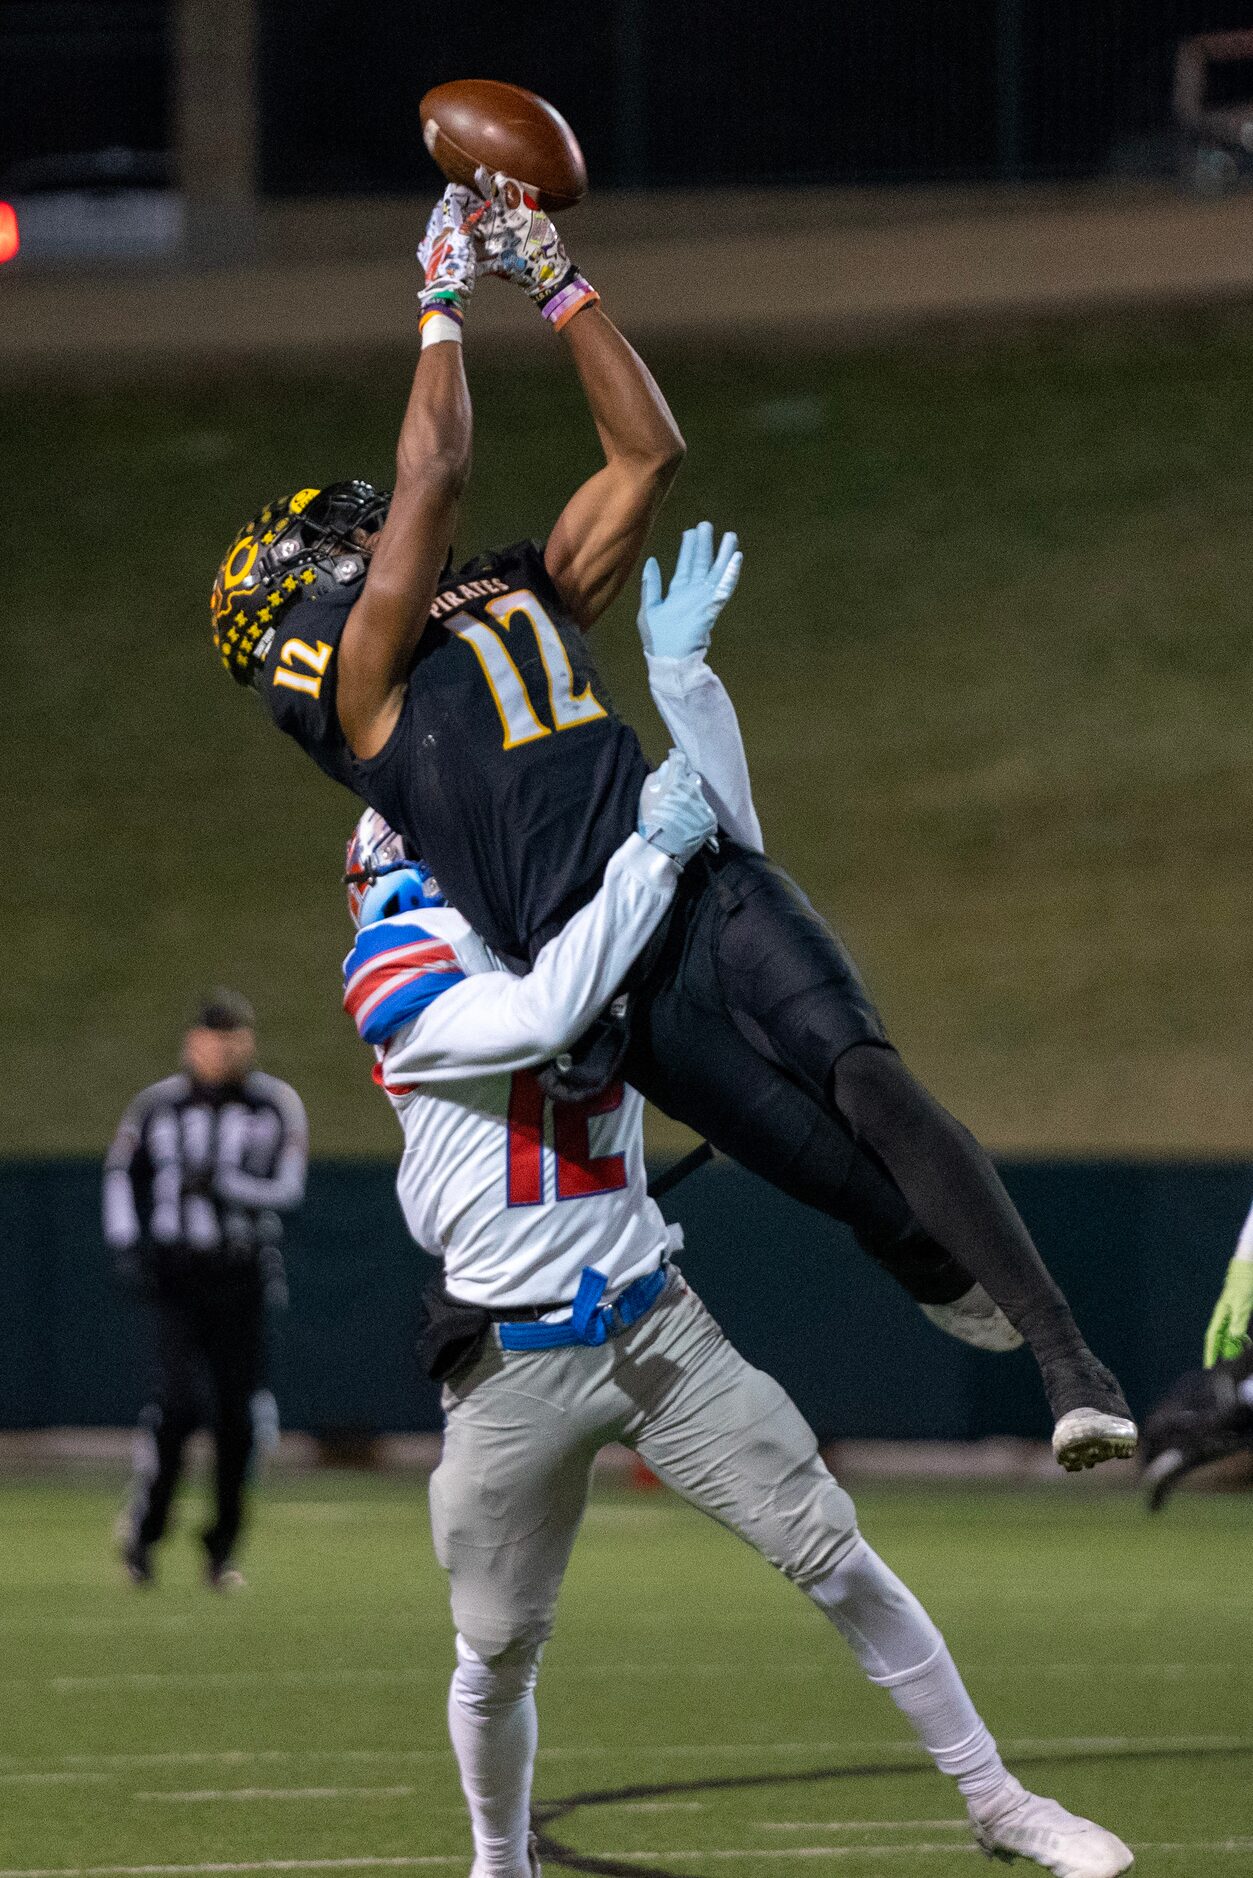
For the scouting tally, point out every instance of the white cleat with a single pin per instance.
(1025, 1825)
(1084, 1437)
(974, 1319)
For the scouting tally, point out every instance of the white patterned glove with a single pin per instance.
(449, 260)
(518, 242)
(674, 814)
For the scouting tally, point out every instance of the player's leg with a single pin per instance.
(506, 1502)
(795, 993)
(167, 1422)
(952, 1186)
(687, 1056)
(731, 1441)
(233, 1330)
(689, 1059)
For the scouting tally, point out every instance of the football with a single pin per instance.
(475, 121)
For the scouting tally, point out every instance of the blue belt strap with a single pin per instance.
(589, 1321)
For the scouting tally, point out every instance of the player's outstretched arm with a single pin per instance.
(432, 465)
(675, 628)
(602, 528)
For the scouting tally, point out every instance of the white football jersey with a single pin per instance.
(516, 1194)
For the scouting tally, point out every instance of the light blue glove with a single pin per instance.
(682, 622)
(674, 814)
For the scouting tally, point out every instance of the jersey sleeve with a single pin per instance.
(298, 682)
(699, 714)
(493, 1022)
(394, 971)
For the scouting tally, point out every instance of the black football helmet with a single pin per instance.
(300, 547)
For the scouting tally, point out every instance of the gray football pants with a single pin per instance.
(523, 1428)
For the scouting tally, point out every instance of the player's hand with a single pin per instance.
(674, 814)
(518, 242)
(681, 622)
(447, 254)
(1227, 1335)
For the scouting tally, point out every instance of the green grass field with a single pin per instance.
(991, 653)
(300, 1725)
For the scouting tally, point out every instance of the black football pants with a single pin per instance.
(209, 1363)
(751, 1024)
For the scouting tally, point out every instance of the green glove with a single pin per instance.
(1226, 1336)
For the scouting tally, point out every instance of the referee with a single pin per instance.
(201, 1167)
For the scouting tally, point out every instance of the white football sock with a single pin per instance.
(901, 1650)
(494, 1729)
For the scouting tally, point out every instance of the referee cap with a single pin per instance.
(221, 1009)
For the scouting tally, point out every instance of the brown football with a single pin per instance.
(475, 121)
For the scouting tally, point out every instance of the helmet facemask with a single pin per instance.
(381, 878)
(304, 547)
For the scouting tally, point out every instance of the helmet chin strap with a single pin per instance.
(366, 876)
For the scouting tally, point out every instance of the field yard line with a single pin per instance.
(418, 1861)
(861, 1825)
(1170, 1672)
(793, 1851)
(263, 1864)
(660, 1806)
(898, 1851)
(98, 1626)
(53, 1778)
(226, 1679)
(195, 1795)
(242, 1757)
(337, 1678)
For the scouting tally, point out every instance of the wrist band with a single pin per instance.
(439, 325)
(573, 294)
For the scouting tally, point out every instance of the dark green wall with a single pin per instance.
(1140, 1249)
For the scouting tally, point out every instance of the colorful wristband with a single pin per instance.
(441, 319)
(562, 305)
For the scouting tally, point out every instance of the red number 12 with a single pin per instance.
(579, 1175)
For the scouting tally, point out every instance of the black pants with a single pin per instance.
(209, 1347)
(751, 1024)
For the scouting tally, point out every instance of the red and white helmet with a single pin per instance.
(374, 848)
(381, 878)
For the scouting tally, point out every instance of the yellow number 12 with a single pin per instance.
(300, 652)
(517, 714)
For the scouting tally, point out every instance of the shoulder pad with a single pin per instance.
(395, 969)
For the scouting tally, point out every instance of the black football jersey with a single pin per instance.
(509, 771)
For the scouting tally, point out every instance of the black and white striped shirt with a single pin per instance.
(205, 1170)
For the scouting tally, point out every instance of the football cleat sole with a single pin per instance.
(1084, 1437)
